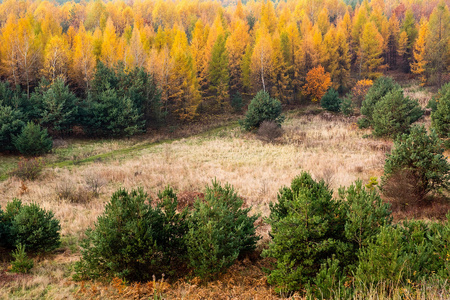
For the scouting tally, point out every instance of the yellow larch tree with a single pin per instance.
(341, 75)
(359, 21)
(112, 49)
(329, 54)
(21, 51)
(239, 11)
(136, 51)
(268, 17)
(291, 44)
(261, 60)
(183, 98)
(83, 58)
(199, 53)
(418, 66)
(392, 41)
(370, 52)
(10, 50)
(160, 65)
(236, 43)
(323, 21)
(279, 77)
(56, 59)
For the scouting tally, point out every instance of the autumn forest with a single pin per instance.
(204, 56)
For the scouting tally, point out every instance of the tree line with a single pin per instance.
(204, 56)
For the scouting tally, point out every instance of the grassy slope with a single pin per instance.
(328, 146)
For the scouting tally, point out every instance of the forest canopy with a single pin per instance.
(201, 54)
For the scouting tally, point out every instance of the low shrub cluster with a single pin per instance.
(440, 115)
(269, 131)
(324, 246)
(262, 108)
(315, 238)
(419, 158)
(330, 101)
(136, 239)
(28, 168)
(387, 110)
(28, 226)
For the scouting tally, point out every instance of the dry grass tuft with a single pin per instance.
(422, 95)
(269, 132)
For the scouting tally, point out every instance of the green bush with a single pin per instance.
(380, 88)
(36, 229)
(407, 253)
(58, 106)
(307, 230)
(440, 116)
(393, 114)
(11, 125)
(21, 262)
(30, 226)
(109, 114)
(316, 239)
(384, 259)
(421, 156)
(33, 140)
(365, 215)
(330, 101)
(262, 108)
(133, 239)
(219, 231)
(347, 105)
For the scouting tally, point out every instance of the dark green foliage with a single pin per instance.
(33, 140)
(377, 91)
(330, 101)
(410, 252)
(440, 115)
(307, 230)
(432, 104)
(236, 102)
(421, 155)
(122, 103)
(58, 106)
(329, 282)
(21, 262)
(365, 214)
(316, 239)
(36, 229)
(393, 114)
(363, 123)
(30, 226)
(109, 114)
(262, 108)
(11, 125)
(134, 240)
(347, 105)
(19, 101)
(219, 231)
(384, 259)
(6, 218)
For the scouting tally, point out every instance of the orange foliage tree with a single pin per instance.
(317, 83)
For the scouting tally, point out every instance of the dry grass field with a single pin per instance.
(328, 146)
